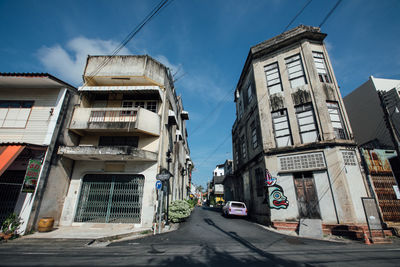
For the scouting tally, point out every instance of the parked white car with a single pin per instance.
(234, 208)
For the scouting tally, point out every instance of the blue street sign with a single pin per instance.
(158, 185)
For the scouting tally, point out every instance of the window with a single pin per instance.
(280, 121)
(307, 127)
(139, 104)
(236, 153)
(119, 141)
(260, 182)
(240, 109)
(295, 71)
(320, 65)
(250, 93)
(244, 150)
(14, 114)
(149, 105)
(274, 82)
(336, 120)
(152, 106)
(254, 140)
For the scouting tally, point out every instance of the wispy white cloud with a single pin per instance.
(68, 62)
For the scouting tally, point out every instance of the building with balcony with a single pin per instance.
(34, 109)
(131, 125)
(293, 149)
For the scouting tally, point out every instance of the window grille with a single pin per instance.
(274, 82)
(320, 65)
(302, 162)
(110, 198)
(295, 71)
(280, 121)
(306, 121)
(349, 158)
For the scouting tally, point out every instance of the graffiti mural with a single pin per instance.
(277, 199)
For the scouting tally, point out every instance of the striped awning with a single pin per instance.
(7, 156)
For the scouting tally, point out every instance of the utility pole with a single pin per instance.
(169, 160)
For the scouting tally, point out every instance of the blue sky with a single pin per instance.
(206, 40)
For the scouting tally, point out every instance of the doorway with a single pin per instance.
(110, 198)
(307, 198)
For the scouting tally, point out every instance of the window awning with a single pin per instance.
(7, 156)
(124, 89)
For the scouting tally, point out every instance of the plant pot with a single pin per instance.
(46, 224)
(6, 236)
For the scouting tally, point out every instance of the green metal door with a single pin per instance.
(110, 198)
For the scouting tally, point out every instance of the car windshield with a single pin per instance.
(237, 205)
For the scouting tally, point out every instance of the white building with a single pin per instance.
(131, 125)
(33, 110)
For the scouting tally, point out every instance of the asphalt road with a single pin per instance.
(206, 239)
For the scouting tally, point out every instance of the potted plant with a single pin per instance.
(10, 226)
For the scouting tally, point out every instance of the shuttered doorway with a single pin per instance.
(110, 198)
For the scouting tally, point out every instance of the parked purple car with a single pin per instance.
(234, 208)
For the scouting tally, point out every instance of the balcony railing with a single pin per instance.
(113, 115)
(115, 119)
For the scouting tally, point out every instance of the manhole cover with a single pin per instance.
(294, 241)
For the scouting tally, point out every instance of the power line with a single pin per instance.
(330, 13)
(156, 10)
(298, 14)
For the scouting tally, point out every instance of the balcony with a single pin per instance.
(107, 153)
(115, 120)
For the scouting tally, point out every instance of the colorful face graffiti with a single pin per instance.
(277, 199)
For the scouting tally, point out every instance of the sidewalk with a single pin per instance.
(92, 231)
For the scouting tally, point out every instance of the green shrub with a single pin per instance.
(192, 202)
(11, 224)
(179, 210)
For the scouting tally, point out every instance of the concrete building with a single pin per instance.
(374, 113)
(293, 147)
(132, 125)
(365, 108)
(34, 109)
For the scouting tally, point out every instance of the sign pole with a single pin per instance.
(161, 210)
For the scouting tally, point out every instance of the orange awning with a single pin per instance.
(7, 156)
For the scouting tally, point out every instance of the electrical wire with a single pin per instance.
(329, 13)
(156, 10)
(298, 14)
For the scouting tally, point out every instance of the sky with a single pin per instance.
(205, 42)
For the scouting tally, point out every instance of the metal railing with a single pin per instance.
(113, 114)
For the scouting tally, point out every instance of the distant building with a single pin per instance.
(132, 125)
(34, 111)
(365, 108)
(216, 187)
(293, 150)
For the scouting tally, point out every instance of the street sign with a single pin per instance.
(158, 185)
(164, 175)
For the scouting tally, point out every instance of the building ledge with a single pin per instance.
(303, 147)
(107, 153)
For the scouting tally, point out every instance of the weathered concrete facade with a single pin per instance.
(33, 114)
(131, 125)
(292, 128)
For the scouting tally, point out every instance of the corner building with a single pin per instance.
(131, 126)
(292, 131)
